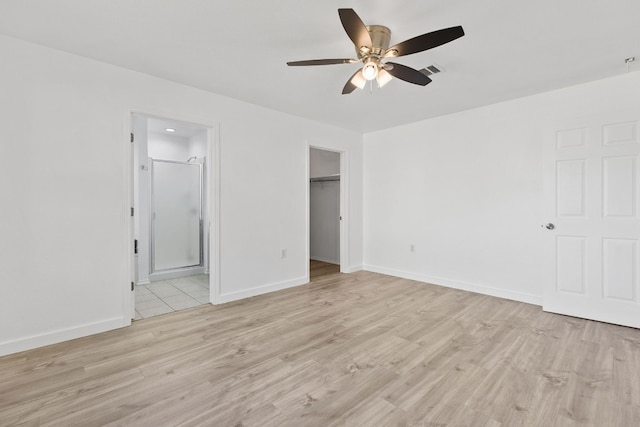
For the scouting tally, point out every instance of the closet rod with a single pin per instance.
(325, 179)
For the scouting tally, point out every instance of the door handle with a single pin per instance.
(550, 226)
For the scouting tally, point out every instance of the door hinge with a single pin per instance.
(132, 211)
(135, 246)
(131, 285)
(131, 136)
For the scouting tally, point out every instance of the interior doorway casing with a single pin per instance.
(344, 205)
(212, 177)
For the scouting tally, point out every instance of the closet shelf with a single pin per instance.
(335, 177)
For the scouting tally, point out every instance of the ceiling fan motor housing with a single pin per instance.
(380, 38)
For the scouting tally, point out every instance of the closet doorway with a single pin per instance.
(325, 214)
(171, 215)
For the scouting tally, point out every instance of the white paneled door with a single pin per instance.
(592, 231)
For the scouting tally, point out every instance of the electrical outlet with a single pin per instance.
(283, 254)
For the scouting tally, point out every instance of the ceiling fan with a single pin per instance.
(372, 47)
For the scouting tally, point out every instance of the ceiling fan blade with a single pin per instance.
(322, 62)
(425, 42)
(408, 74)
(357, 80)
(355, 28)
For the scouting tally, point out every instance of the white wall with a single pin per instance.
(65, 246)
(323, 162)
(197, 145)
(324, 219)
(167, 147)
(324, 207)
(467, 190)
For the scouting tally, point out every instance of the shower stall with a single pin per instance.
(176, 223)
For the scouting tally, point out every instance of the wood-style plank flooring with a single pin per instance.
(318, 269)
(359, 349)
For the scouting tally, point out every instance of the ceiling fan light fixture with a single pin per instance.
(359, 81)
(383, 78)
(370, 69)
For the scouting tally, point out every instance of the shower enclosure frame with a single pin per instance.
(152, 222)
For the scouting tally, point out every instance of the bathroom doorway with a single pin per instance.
(171, 215)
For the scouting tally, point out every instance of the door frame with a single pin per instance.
(344, 205)
(213, 184)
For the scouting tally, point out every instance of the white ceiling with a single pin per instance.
(180, 129)
(512, 48)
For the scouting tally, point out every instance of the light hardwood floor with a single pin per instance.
(359, 349)
(319, 268)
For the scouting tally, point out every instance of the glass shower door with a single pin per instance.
(176, 199)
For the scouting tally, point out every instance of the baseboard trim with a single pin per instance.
(456, 284)
(613, 318)
(175, 274)
(327, 260)
(60, 335)
(354, 268)
(259, 290)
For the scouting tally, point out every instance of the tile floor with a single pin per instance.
(166, 296)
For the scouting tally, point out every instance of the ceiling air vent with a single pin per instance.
(431, 69)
